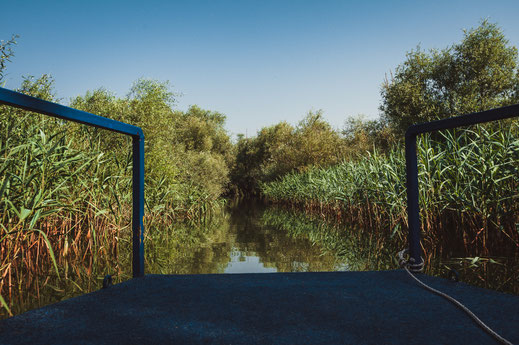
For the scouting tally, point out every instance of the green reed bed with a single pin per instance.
(469, 190)
(65, 207)
(357, 250)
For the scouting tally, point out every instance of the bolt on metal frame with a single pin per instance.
(19, 100)
(413, 208)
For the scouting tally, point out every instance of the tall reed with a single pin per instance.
(469, 187)
(65, 204)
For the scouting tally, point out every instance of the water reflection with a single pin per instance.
(246, 243)
(252, 238)
(242, 263)
(375, 249)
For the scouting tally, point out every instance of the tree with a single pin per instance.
(203, 130)
(282, 148)
(6, 53)
(477, 74)
(316, 142)
(361, 136)
(188, 153)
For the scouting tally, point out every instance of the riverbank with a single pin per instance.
(468, 190)
(251, 237)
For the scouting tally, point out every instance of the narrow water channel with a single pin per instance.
(244, 238)
(250, 237)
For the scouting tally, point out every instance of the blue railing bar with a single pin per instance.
(37, 105)
(465, 120)
(413, 208)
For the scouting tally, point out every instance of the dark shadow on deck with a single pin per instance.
(385, 307)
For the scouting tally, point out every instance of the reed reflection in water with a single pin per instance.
(250, 237)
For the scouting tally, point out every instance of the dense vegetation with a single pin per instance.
(468, 180)
(280, 149)
(469, 177)
(65, 188)
(477, 74)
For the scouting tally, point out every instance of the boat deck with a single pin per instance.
(383, 307)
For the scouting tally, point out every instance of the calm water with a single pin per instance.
(245, 239)
(250, 237)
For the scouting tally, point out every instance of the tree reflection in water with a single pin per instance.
(249, 237)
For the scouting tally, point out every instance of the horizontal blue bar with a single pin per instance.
(465, 120)
(37, 105)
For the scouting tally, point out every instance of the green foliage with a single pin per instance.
(282, 148)
(6, 53)
(66, 187)
(468, 182)
(316, 143)
(205, 151)
(44, 181)
(187, 154)
(479, 73)
(363, 136)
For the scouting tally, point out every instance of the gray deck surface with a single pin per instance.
(385, 307)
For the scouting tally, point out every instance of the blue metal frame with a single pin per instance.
(37, 105)
(413, 208)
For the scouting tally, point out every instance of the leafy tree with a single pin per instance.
(282, 148)
(6, 53)
(361, 136)
(316, 142)
(205, 150)
(203, 130)
(276, 153)
(479, 73)
(255, 155)
(188, 154)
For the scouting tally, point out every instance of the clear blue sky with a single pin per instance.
(258, 62)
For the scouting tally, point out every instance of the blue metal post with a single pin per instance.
(413, 210)
(138, 207)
